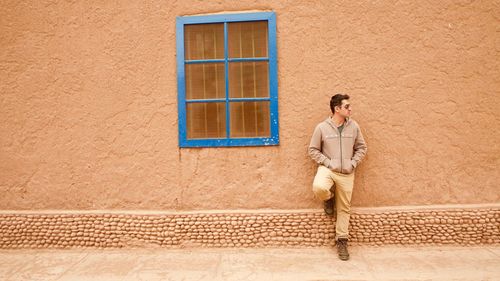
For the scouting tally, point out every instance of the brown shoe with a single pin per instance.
(329, 206)
(342, 249)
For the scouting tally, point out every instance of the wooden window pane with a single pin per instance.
(204, 41)
(248, 79)
(247, 39)
(206, 120)
(205, 81)
(249, 119)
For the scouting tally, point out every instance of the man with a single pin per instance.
(338, 146)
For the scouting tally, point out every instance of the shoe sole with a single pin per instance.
(344, 258)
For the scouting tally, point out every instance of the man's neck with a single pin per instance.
(338, 120)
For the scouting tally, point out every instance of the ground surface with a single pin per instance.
(366, 263)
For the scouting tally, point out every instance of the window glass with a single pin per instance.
(206, 120)
(249, 79)
(204, 41)
(249, 119)
(247, 39)
(205, 81)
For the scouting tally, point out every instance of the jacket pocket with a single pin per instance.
(347, 166)
(335, 165)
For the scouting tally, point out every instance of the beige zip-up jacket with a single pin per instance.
(339, 152)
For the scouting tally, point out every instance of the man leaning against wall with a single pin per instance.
(338, 146)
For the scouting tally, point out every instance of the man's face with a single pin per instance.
(344, 109)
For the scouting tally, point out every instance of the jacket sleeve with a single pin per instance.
(315, 148)
(360, 148)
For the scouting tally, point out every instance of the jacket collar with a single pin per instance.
(329, 121)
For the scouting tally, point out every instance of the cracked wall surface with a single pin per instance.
(88, 105)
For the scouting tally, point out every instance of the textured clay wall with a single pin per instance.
(88, 105)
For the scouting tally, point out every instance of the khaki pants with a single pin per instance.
(323, 182)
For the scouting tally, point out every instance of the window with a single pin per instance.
(227, 80)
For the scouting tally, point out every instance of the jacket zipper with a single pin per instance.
(340, 137)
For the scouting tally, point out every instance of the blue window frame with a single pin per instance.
(227, 71)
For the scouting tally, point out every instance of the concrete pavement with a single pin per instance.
(366, 263)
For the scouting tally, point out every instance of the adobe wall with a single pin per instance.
(88, 103)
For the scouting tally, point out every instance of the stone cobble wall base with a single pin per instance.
(279, 229)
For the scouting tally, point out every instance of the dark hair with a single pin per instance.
(337, 101)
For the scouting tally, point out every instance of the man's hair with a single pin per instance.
(337, 101)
